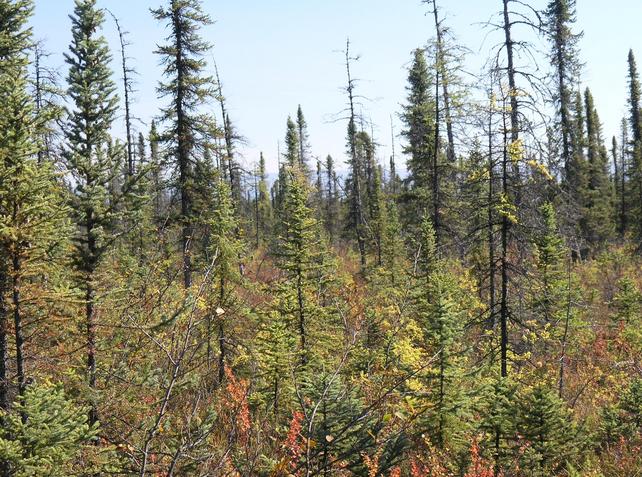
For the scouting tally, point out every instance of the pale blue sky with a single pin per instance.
(275, 54)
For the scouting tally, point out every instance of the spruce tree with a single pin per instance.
(392, 246)
(277, 348)
(549, 437)
(33, 218)
(549, 262)
(554, 295)
(377, 219)
(440, 317)
(299, 251)
(264, 208)
(47, 103)
(188, 87)
(635, 123)
(51, 441)
(419, 120)
(577, 172)
(292, 144)
(356, 207)
(599, 223)
(14, 42)
(635, 119)
(331, 215)
(156, 173)
(93, 168)
(222, 251)
(560, 18)
(302, 132)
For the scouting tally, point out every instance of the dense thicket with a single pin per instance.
(166, 310)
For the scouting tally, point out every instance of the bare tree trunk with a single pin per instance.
(510, 70)
(356, 172)
(491, 228)
(441, 66)
(504, 313)
(127, 88)
(227, 134)
(512, 93)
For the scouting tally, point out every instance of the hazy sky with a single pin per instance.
(275, 54)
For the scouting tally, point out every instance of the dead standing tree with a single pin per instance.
(128, 90)
(356, 203)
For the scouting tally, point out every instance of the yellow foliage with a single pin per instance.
(515, 150)
(507, 209)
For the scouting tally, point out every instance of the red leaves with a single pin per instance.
(236, 400)
(294, 442)
(478, 465)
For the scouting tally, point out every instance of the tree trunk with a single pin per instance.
(183, 152)
(504, 265)
(435, 170)
(301, 305)
(491, 228)
(441, 66)
(90, 314)
(90, 317)
(356, 172)
(514, 104)
(222, 351)
(17, 322)
(4, 329)
(126, 90)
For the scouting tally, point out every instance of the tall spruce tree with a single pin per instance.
(355, 195)
(222, 252)
(419, 121)
(599, 210)
(564, 55)
(93, 168)
(299, 253)
(32, 213)
(439, 315)
(292, 144)
(331, 215)
(623, 185)
(578, 170)
(15, 39)
(635, 123)
(263, 206)
(188, 87)
(302, 131)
